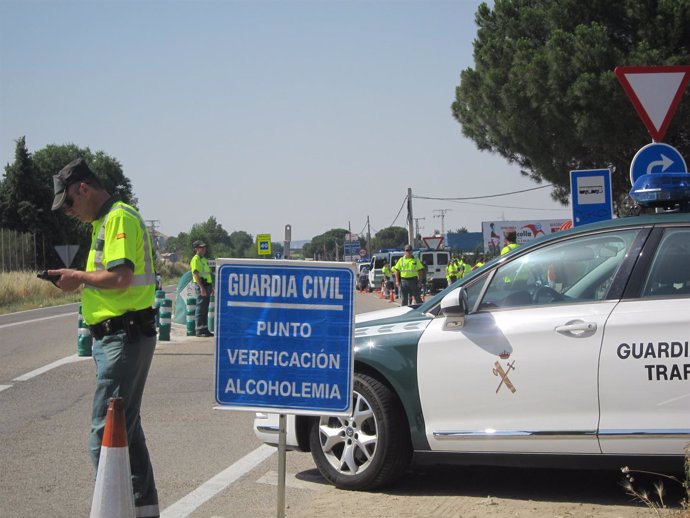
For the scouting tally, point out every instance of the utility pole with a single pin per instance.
(410, 218)
(368, 237)
(442, 215)
(416, 225)
(154, 234)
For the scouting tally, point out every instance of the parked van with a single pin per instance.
(375, 273)
(436, 262)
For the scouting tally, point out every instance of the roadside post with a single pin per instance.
(284, 341)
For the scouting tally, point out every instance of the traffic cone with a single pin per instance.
(392, 294)
(383, 289)
(113, 496)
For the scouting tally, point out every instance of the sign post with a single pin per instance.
(284, 339)
(263, 244)
(591, 197)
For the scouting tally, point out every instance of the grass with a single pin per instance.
(22, 290)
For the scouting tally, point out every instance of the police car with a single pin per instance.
(573, 350)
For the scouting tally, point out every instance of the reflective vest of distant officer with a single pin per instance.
(388, 282)
(511, 238)
(452, 272)
(464, 267)
(386, 271)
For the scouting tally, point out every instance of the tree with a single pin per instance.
(543, 93)
(213, 234)
(26, 194)
(327, 246)
(24, 198)
(242, 244)
(391, 237)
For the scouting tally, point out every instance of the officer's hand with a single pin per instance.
(69, 279)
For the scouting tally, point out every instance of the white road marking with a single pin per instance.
(187, 504)
(50, 366)
(3, 326)
(3, 387)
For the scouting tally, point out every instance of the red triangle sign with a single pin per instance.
(655, 92)
(433, 242)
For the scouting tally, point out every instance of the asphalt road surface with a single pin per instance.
(207, 461)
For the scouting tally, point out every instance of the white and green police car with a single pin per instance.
(573, 350)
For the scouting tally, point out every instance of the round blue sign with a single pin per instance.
(656, 158)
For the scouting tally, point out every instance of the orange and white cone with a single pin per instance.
(113, 496)
(383, 288)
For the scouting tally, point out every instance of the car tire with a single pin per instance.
(369, 449)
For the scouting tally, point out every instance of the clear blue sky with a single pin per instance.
(261, 113)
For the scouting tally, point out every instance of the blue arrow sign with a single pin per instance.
(284, 336)
(656, 157)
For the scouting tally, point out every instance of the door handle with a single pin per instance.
(577, 329)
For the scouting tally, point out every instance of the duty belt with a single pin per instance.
(116, 324)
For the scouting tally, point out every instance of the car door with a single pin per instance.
(521, 374)
(645, 359)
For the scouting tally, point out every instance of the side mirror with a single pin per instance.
(455, 306)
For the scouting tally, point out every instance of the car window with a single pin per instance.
(578, 269)
(669, 275)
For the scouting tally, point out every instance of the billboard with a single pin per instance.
(493, 232)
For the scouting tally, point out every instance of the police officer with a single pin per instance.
(203, 287)
(465, 267)
(452, 271)
(117, 297)
(479, 263)
(409, 273)
(388, 284)
(511, 242)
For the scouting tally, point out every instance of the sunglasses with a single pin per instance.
(68, 199)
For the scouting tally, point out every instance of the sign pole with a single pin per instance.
(282, 433)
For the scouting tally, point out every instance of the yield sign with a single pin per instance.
(655, 92)
(433, 242)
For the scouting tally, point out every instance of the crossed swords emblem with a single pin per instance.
(498, 371)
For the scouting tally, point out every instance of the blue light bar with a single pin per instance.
(661, 189)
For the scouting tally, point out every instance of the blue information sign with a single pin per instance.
(591, 198)
(284, 336)
(656, 157)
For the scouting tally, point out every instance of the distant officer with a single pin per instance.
(479, 263)
(409, 274)
(465, 267)
(511, 242)
(452, 271)
(203, 287)
(388, 283)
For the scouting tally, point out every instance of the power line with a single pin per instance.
(482, 197)
(401, 208)
(507, 206)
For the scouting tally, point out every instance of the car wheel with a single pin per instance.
(368, 449)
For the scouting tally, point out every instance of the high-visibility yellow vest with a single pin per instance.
(386, 271)
(119, 236)
(408, 267)
(508, 248)
(200, 264)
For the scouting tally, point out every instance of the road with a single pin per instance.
(208, 462)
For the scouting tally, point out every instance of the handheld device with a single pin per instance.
(48, 277)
